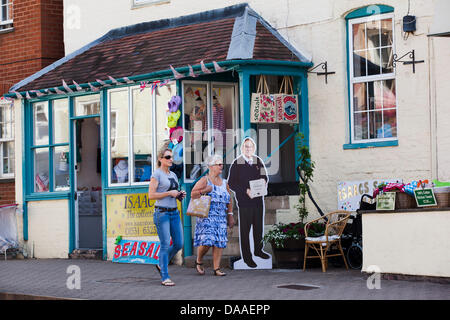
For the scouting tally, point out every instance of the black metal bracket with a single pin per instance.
(324, 66)
(413, 61)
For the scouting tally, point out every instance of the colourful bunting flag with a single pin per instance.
(143, 85)
(66, 87)
(27, 95)
(93, 89)
(191, 72)
(114, 81)
(127, 80)
(18, 95)
(37, 92)
(77, 86)
(204, 68)
(176, 74)
(58, 91)
(217, 67)
(104, 84)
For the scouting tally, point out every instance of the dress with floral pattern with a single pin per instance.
(212, 231)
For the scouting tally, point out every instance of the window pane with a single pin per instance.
(373, 62)
(373, 34)
(359, 36)
(61, 120)
(8, 157)
(87, 105)
(360, 125)
(196, 125)
(360, 96)
(390, 123)
(223, 123)
(142, 134)
(40, 120)
(376, 124)
(41, 173)
(387, 58)
(6, 122)
(389, 100)
(359, 64)
(119, 136)
(386, 32)
(61, 168)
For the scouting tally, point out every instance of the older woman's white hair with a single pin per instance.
(212, 160)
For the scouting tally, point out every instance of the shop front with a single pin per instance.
(89, 146)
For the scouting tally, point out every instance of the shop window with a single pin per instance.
(373, 103)
(132, 128)
(50, 147)
(210, 125)
(6, 141)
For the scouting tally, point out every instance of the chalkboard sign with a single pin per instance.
(386, 201)
(425, 197)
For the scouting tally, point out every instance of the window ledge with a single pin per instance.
(146, 4)
(378, 144)
(47, 196)
(7, 30)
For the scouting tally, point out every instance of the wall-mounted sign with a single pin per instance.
(350, 192)
(131, 251)
(386, 201)
(425, 197)
(131, 215)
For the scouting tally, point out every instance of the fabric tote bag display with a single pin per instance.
(286, 103)
(262, 109)
(199, 207)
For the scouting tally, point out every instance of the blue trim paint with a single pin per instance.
(369, 11)
(24, 173)
(391, 143)
(72, 157)
(104, 162)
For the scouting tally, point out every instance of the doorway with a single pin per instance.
(87, 183)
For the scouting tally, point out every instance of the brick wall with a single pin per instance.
(36, 41)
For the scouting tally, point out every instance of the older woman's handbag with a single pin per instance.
(199, 207)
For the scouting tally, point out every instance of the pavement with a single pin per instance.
(105, 280)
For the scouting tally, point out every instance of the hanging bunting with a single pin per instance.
(176, 74)
(102, 83)
(58, 91)
(218, 68)
(164, 83)
(204, 68)
(114, 81)
(143, 85)
(155, 85)
(77, 86)
(18, 95)
(127, 80)
(27, 95)
(37, 92)
(66, 87)
(93, 89)
(191, 72)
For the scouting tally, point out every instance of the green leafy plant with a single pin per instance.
(281, 232)
(306, 169)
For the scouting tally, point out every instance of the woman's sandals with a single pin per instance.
(168, 283)
(218, 272)
(199, 268)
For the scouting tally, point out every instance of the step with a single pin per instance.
(95, 254)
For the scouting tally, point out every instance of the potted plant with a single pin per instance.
(288, 242)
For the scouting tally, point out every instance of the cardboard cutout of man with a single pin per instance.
(245, 168)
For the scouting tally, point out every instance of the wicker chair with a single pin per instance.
(335, 224)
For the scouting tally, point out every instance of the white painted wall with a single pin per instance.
(409, 243)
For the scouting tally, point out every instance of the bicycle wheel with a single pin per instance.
(354, 256)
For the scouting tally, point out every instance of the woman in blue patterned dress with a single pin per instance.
(212, 231)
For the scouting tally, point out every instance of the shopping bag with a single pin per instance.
(199, 207)
(262, 108)
(286, 103)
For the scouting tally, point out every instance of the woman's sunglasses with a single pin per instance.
(219, 164)
(167, 157)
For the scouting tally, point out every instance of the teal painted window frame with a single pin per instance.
(362, 12)
(29, 170)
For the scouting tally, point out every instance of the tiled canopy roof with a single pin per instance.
(231, 33)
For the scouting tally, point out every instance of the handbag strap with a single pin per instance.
(286, 85)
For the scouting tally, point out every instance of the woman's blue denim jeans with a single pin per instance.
(168, 224)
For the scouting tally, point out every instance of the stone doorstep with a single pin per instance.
(87, 254)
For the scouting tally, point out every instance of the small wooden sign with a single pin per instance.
(386, 201)
(425, 197)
